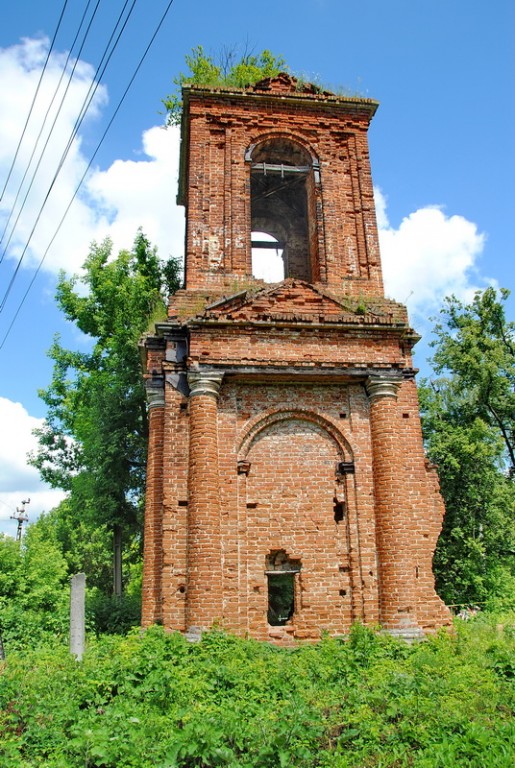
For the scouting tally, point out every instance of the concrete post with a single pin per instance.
(78, 615)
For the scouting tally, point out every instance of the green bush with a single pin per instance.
(34, 590)
(153, 699)
(113, 615)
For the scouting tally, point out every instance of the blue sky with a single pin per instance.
(442, 150)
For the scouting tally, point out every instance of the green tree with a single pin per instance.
(33, 589)
(475, 344)
(85, 546)
(468, 414)
(232, 69)
(93, 442)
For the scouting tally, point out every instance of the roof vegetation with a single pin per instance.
(231, 69)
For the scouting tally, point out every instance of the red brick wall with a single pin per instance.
(153, 531)
(221, 129)
(311, 376)
(301, 347)
(293, 434)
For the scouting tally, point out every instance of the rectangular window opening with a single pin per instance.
(281, 598)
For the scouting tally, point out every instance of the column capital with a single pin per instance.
(155, 396)
(205, 383)
(378, 387)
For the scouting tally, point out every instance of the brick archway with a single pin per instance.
(278, 135)
(274, 415)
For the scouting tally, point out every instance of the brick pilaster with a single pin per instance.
(153, 531)
(204, 585)
(394, 528)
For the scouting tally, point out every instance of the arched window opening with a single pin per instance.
(281, 573)
(282, 184)
(267, 257)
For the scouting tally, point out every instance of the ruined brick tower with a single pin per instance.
(288, 492)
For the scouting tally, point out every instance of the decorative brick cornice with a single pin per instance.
(379, 387)
(205, 383)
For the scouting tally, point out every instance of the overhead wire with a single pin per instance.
(82, 113)
(2, 303)
(20, 186)
(51, 48)
(99, 74)
(85, 105)
(120, 102)
(96, 80)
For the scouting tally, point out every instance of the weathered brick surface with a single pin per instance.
(311, 444)
(216, 183)
(153, 531)
(204, 555)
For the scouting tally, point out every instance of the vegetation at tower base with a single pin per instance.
(93, 442)
(238, 71)
(153, 699)
(468, 421)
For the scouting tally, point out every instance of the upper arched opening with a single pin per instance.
(282, 206)
(280, 151)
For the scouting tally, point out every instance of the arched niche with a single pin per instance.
(262, 422)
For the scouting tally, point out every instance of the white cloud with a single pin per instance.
(429, 256)
(20, 68)
(18, 480)
(142, 193)
(115, 202)
(381, 215)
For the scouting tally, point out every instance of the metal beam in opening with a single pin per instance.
(272, 245)
(267, 168)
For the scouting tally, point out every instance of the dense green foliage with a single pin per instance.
(231, 70)
(155, 700)
(35, 584)
(475, 344)
(33, 594)
(468, 420)
(93, 442)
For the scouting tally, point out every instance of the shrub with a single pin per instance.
(153, 699)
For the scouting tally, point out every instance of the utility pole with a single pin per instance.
(22, 517)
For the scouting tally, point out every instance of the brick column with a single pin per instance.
(394, 526)
(153, 528)
(204, 585)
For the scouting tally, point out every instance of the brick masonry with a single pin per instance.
(284, 418)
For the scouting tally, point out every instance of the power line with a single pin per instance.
(22, 256)
(39, 136)
(97, 78)
(85, 105)
(120, 102)
(34, 98)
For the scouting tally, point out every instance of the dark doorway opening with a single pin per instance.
(281, 574)
(281, 598)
